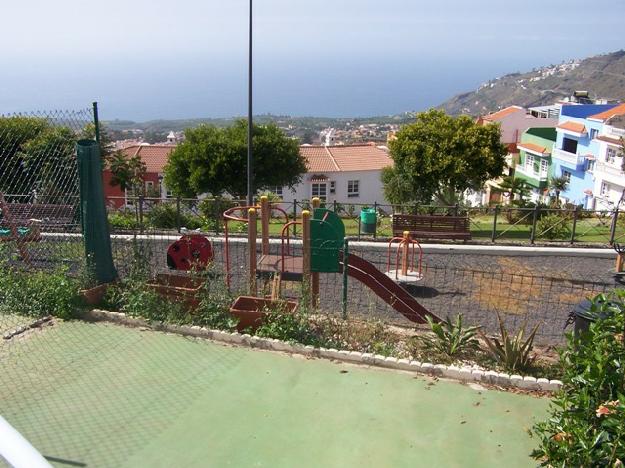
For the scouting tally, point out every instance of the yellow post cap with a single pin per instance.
(305, 213)
(264, 198)
(251, 211)
(406, 234)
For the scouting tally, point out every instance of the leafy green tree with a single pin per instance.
(440, 154)
(214, 160)
(558, 185)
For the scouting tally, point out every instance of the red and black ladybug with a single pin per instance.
(191, 251)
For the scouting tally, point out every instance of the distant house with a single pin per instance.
(155, 158)
(513, 120)
(534, 166)
(346, 174)
(581, 140)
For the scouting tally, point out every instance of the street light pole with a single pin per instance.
(250, 168)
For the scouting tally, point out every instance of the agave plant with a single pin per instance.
(451, 338)
(511, 351)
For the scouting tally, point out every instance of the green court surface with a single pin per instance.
(104, 395)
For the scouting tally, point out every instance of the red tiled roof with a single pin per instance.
(533, 147)
(572, 127)
(502, 113)
(605, 115)
(155, 157)
(607, 139)
(345, 158)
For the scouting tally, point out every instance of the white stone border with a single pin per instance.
(463, 374)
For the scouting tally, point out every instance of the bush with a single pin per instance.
(586, 426)
(553, 226)
(451, 339)
(292, 327)
(165, 216)
(37, 294)
(123, 221)
(212, 211)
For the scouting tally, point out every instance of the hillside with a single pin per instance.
(602, 75)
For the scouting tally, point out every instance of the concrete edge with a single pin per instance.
(461, 374)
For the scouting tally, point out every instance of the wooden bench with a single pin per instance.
(432, 226)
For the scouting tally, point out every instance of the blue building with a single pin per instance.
(576, 150)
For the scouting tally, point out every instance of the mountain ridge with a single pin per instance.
(602, 75)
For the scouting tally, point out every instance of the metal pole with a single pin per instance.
(345, 268)
(613, 226)
(534, 221)
(250, 123)
(493, 235)
(96, 122)
(574, 224)
(375, 228)
(178, 217)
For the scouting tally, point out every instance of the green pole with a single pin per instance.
(96, 122)
(345, 268)
(95, 229)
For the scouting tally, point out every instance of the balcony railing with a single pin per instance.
(609, 168)
(541, 177)
(569, 158)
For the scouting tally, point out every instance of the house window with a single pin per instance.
(529, 163)
(149, 188)
(593, 133)
(319, 190)
(605, 188)
(610, 155)
(130, 196)
(544, 167)
(591, 165)
(353, 188)
(277, 190)
(567, 176)
(569, 145)
(332, 186)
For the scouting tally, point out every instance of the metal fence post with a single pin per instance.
(613, 226)
(534, 221)
(493, 235)
(178, 213)
(334, 206)
(141, 214)
(574, 227)
(345, 268)
(375, 229)
(456, 208)
(295, 216)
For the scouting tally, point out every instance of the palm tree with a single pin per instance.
(514, 186)
(558, 185)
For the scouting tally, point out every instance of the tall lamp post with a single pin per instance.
(250, 168)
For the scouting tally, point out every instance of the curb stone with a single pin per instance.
(250, 341)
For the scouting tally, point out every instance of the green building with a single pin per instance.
(534, 165)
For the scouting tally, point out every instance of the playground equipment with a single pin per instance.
(191, 251)
(324, 250)
(620, 258)
(405, 255)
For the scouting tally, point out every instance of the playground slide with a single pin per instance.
(387, 289)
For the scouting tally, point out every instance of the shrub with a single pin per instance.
(451, 338)
(212, 210)
(165, 216)
(292, 327)
(37, 294)
(123, 220)
(553, 226)
(586, 425)
(512, 351)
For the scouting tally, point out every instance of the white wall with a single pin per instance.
(370, 189)
(513, 125)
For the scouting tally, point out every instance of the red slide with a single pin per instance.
(387, 289)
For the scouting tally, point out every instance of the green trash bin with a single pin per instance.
(368, 220)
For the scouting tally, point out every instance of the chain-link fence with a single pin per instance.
(39, 189)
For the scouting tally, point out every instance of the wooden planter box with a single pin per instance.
(178, 288)
(251, 311)
(95, 295)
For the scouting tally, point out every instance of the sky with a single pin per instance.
(149, 59)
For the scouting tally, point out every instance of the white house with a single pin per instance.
(607, 169)
(346, 174)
